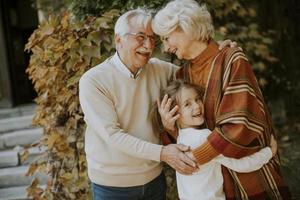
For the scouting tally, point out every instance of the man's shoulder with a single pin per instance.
(99, 70)
(158, 63)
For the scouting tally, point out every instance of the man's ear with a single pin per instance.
(117, 40)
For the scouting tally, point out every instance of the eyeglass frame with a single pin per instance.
(144, 36)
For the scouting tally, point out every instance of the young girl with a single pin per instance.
(207, 183)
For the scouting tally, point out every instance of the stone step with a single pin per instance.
(12, 157)
(15, 176)
(22, 110)
(13, 193)
(20, 137)
(15, 123)
(9, 158)
(33, 152)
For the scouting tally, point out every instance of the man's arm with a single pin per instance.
(100, 114)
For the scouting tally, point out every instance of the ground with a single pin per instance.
(289, 149)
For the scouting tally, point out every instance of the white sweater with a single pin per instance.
(207, 183)
(121, 148)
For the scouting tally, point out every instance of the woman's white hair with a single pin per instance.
(187, 15)
(137, 17)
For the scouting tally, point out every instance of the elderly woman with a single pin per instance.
(235, 111)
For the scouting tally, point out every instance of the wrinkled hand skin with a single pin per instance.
(174, 155)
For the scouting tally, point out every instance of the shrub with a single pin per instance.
(62, 50)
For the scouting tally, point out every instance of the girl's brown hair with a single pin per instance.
(172, 90)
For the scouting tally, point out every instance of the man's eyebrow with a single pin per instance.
(145, 34)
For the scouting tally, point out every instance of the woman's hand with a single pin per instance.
(168, 117)
(273, 145)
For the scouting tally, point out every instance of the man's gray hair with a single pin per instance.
(138, 17)
(188, 16)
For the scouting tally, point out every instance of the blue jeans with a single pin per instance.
(154, 190)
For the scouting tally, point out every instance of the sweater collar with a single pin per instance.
(122, 67)
(210, 51)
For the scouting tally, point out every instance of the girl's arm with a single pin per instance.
(252, 162)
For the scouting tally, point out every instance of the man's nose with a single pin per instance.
(166, 47)
(148, 43)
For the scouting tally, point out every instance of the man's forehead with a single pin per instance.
(141, 29)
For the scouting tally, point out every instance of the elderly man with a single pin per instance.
(123, 152)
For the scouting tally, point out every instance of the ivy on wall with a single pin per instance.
(62, 50)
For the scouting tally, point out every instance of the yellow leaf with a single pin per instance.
(24, 156)
(52, 139)
(31, 170)
(47, 29)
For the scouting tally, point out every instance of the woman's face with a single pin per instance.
(190, 108)
(177, 42)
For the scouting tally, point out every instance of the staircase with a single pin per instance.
(16, 133)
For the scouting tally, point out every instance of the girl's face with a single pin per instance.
(190, 108)
(177, 42)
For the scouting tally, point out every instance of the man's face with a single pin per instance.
(136, 47)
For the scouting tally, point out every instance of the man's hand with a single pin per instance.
(226, 43)
(173, 155)
(168, 117)
(190, 155)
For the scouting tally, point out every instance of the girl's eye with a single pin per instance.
(198, 100)
(187, 105)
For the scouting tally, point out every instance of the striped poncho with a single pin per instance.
(236, 114)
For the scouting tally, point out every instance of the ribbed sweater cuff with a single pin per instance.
(204, 153)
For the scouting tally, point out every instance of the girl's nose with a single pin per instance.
(195, 104)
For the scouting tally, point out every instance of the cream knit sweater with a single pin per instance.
(121, 148)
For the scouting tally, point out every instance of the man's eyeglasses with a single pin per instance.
(142, 38)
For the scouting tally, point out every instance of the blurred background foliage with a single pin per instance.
(65, 46)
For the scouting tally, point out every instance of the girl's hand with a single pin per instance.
(273, 145)
(168, 117)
